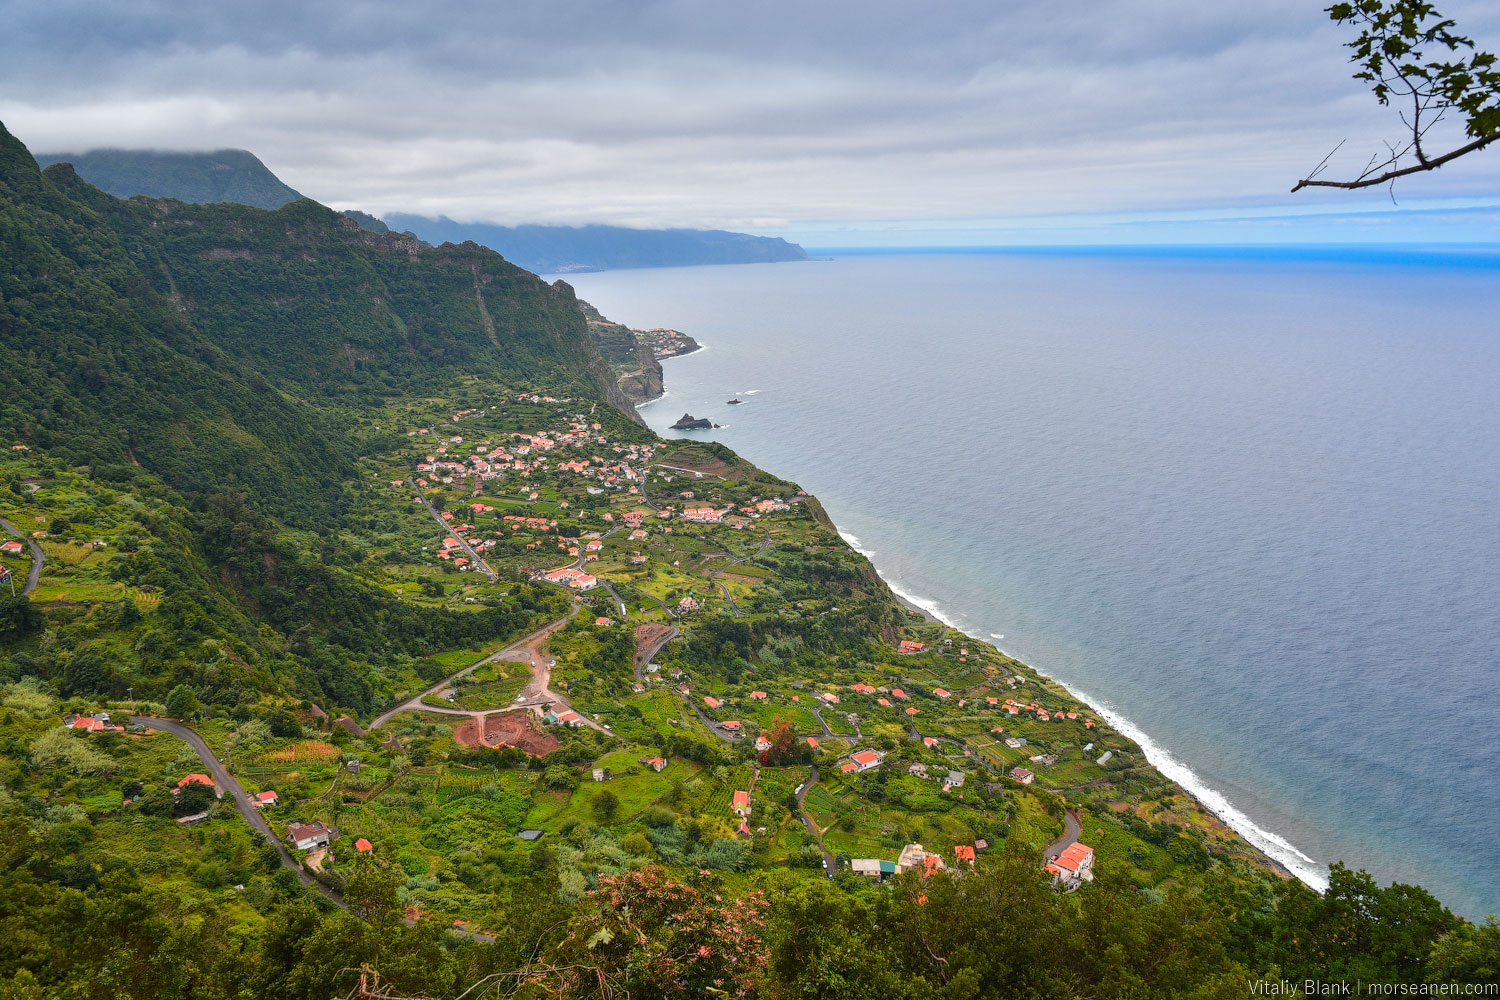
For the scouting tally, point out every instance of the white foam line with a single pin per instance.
(1272, 844)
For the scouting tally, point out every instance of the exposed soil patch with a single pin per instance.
(647, 636)
(500, 729)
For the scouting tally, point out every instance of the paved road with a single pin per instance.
(37, 557)
(734, 609)
(1072, 827)
(448, 532)
(535, 692)
(224, 780)
(829, 864)
(645, 656)
(829, 734)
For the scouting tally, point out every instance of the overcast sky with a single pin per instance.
(834, 122)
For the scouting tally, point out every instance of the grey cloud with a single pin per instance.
(689, 113)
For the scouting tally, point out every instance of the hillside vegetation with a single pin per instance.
(581, 712)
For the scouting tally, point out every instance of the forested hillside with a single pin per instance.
(356, 640)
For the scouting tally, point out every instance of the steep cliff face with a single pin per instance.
(635, 355)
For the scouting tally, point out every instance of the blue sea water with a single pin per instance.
(1248, 504)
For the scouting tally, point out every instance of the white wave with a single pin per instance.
(1216, 802)
(749, 392)
(1272, 844)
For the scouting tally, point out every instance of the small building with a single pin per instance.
(1105, 756)
(874, 868)
(955, 779)
(942, 693)
(363, 846)
(712, 702)
(865, 760)
(758, 695)
(306, 836)
(964, 853)
(814, 744)
(929, 741)
(741, 805)
(917, 856)
(600, 774)
(1074, 865)
(353, 765)
(529, 835)
(657, 764)
(917, 770)
(1022, 775)
(266, 799)
(196, 779)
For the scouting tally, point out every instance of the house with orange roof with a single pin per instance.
(907, 647)
(1074, 865)
(363, 846)
(741, 804)
(712, 702)
(898, 693)
(883, 702)
(196, 779)
(964, 852)
(941, 693)
(929, 741)
(911, 711)
(758, 695)
(814, 744)
(733, 725)
(864, 760)
(1022, 775)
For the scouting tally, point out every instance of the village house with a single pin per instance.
(1022, 775)
(363, 846)
(955, 779)
(741, 804)
(929, 741)
(306, 836)
(264, 800)
(917, 770)
(657, 764)
(873, 868)
(862, 761)
(1074, 865)
(917, 856)
(601, 774)
(712, 702)
(964, 853)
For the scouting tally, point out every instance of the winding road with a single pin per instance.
(1072, 827)
(225, 781)
(37, 556)
(714, 576)
(448, 532)
(829, 864)
(536, 693)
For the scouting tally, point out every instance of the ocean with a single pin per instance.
(1246, 503)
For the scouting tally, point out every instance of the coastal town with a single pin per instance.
(687, 680)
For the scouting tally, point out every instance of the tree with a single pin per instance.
(182, 702)
(606, 804)
(1392, 53)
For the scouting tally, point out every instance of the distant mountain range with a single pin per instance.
(559, 249)
(235, 175)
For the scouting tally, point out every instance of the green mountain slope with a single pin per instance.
(224, 175)
(97, 367)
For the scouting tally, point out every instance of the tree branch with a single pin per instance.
(1390, 175)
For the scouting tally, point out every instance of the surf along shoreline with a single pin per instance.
(1279, 853)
